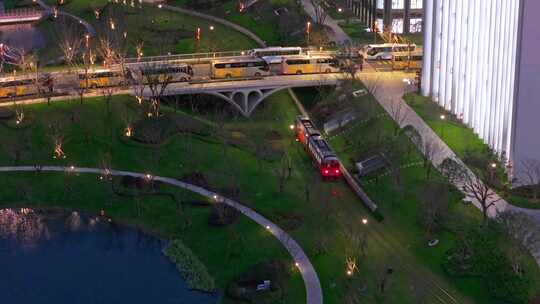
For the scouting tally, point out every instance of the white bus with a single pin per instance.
(309, 65)
(275, 54)
(385, 51)
(239, 67)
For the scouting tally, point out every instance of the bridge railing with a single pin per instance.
(21, 12)
(209, 55)
(186, 56)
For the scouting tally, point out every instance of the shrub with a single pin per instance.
(193, 270)
(477, 253)
(244, 288)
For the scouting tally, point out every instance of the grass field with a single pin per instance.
(323, 225)
(462, 140)
(160, 31)
(261, 19)
(402, 208)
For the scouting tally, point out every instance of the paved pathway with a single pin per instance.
(390, 89)
(89, 28)
(339, 36)
(311, 280)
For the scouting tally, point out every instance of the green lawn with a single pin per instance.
(402, 232)
(326, 221)
(260, 19)
(160, 30)
(463, 141)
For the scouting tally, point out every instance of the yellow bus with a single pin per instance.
(100, 78)
(407, 61)
(309, 65)
(239, 67)
(23, 85)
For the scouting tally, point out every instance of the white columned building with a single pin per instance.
(482, 63)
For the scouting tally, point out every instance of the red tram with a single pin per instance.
(324, 158)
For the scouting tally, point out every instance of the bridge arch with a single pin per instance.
(245, 100)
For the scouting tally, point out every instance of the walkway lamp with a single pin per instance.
(364, 221)
(443, 118)
(308, 30)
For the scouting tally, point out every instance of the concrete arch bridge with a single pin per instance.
(246, 95)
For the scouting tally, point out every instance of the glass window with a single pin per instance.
(415, 25)
(380, 4)
(398, 4)
(416, 4)
(397, 26)
(379, 24)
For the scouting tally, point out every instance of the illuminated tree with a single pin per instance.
(70, 38)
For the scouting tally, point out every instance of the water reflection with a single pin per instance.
(68, 257)
(23, 36)
(23, 225)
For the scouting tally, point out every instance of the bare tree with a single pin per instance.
(434, 198)
(414, 136)
(452, 170)
(70, 38)
(399, 113)
(283, 171)
(531, 176)
(112, 40)
(157, 84)
(107, 93)
(475, 188)
(57, 138)
(430, 149)
(320, 12)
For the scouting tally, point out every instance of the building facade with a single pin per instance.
(398, 16)
(481, 63)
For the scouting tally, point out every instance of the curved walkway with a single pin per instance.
(49, 9)
(340, 37)
(311, 280)
(215, 19)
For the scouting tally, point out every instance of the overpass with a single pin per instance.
(246, 94)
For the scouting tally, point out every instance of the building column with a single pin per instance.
(406, 16)
(387, 17)
(427, 26)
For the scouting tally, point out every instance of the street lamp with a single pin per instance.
(492, 170)
(308, 30)
(211, 27)
(443, 118)
(364, 221)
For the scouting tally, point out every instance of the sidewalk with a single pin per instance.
(393, 88)
(340, 37)
(50, 10)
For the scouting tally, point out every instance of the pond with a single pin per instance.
(51, 256)
(25, 36)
